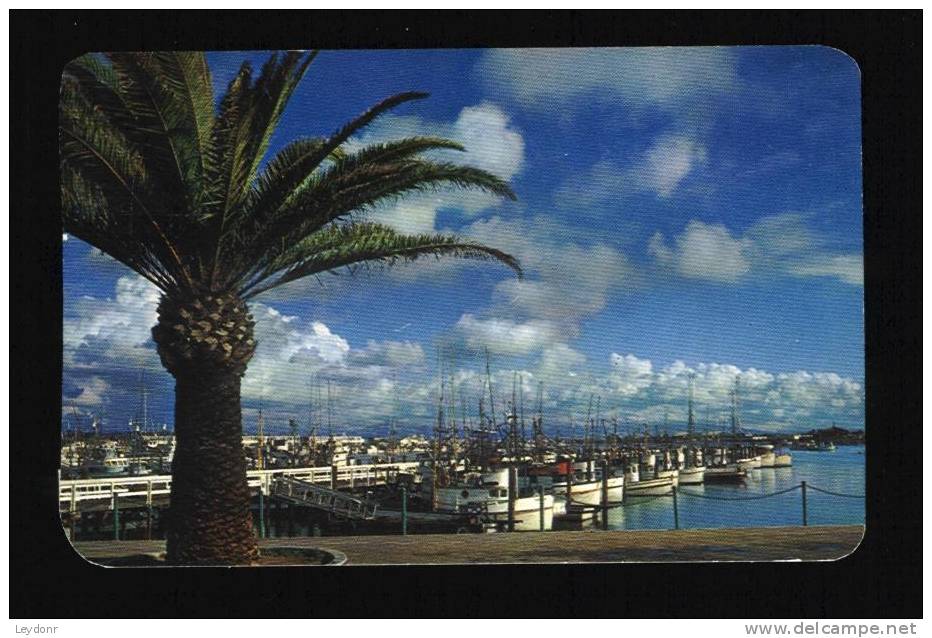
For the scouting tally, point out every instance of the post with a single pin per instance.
(512, 496)
(404, 510)
(149, 522)
(333, 477)
(604, 495)
(805, 514)
(540, 494)
(676, 511)
(116, 518)
(261, 512)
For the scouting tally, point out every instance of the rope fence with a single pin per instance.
(638, 499)
(842, 495)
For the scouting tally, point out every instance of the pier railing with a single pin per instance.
(72, 493)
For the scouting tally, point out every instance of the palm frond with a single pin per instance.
(185, 76)
(366, 242)
(337, 193)
(173, 150)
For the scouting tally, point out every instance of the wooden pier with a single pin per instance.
(142, 491)
(829, 542)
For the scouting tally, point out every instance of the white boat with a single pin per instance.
(750, 463)
(580, 501)
(488, 493)
(692, 475)
(492, 501)
(782, 459)
(730, 473)
(767, 459)
(674, 475)
(635, 486)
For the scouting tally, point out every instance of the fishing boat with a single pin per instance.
(782, 459)
(487, 494)
(636, 485)
(107, 461)
(728, 473)
(578, 491)
(692, 475)
(767, 456)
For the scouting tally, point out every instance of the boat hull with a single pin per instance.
(649, 487)
(783, 460)
(586, 497)
(725, 474)
(767, 459)
(692, 476)
(527, 508)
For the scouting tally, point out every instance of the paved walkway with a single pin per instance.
(743, 544)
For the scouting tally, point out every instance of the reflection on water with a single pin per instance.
(840, 471)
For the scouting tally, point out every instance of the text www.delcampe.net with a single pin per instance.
(830, 629)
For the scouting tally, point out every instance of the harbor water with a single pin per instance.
(841, 471)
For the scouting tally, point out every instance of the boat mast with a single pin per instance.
(260, 440)
(735, 419)
(691, 418)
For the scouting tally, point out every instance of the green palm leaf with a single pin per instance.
(366, 243)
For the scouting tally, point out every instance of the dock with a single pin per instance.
(828, 542)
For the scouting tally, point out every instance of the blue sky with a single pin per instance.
(680, 212)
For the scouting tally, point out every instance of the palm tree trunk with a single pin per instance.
(206, 343)
(209, 517)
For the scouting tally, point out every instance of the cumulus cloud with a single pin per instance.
(565, 280)
(115, 331)
(491, 142)
(703, 251)
(390, 353)
(505, 336)
(665, 77)
(766, 399)
(630, 374)
(107, 345)
(778, 243)
(667, 162)
(660, 169)
(847, 268)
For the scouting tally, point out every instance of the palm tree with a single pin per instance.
(157, 176)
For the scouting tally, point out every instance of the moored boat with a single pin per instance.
(635, 486)
(692, 475)
(782, 459)
(488, 494)
(730, 473)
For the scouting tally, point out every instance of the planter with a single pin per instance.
(281, 556)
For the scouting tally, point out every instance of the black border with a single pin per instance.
(881, 579)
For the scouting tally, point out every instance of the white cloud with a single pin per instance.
(555, 79)
(667, 162)
(660, 169)
(703, 251)
(92, 393)
(288, 351)
(491, 143)
(565, 281)
(505, 336)
(390, 353)
(630, 374)
(490, 140)
(114, 331)
(774, 244)
(848, 268)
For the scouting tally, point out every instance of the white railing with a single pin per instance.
(72, 492)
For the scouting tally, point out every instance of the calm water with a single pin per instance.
(839, 471)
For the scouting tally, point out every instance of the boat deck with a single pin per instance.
(741, 544)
